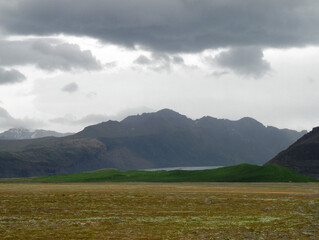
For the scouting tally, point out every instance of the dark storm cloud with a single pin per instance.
(7, 121)
(170, 25)
(47, 54)
(70, 88)
(244, 61)
(10, 76)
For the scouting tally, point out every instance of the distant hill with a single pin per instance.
(151, 140)
(22, 133)
(302, 156)
(238, 173)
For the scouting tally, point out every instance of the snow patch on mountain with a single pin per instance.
(22, 133)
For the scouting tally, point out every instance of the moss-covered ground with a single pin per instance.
(159, 211)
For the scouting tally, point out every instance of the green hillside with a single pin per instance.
(238, 173)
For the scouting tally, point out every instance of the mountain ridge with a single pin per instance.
(150, 140)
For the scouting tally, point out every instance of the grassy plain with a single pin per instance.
(237, 173)
(159, 211)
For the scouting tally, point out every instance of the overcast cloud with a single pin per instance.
(170, 26)
(164, 27)
(10, 76)
(47, 54)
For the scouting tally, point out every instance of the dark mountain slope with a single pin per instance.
(302, 156)
(162, 139)
(170, 139)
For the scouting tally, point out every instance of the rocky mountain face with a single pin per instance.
(302, 156)
(151, 140)
(22, 133)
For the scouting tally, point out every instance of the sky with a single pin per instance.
(67, 64)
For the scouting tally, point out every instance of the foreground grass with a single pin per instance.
(160, 211)
(238, 173)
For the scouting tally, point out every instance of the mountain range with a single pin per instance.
(23, 133)
(151, 140)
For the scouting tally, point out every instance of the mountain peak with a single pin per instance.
(315, 130)
(164, 114)
(250, 121)
(169, 114)
(167, 111)
(165, 120)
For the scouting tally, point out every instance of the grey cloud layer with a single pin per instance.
(170, 26)
(46, 54)
(10, 76)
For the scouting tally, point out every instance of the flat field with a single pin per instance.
(160, 211)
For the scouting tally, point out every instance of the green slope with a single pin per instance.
(238, 173)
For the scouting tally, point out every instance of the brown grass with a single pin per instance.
(159, 211)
